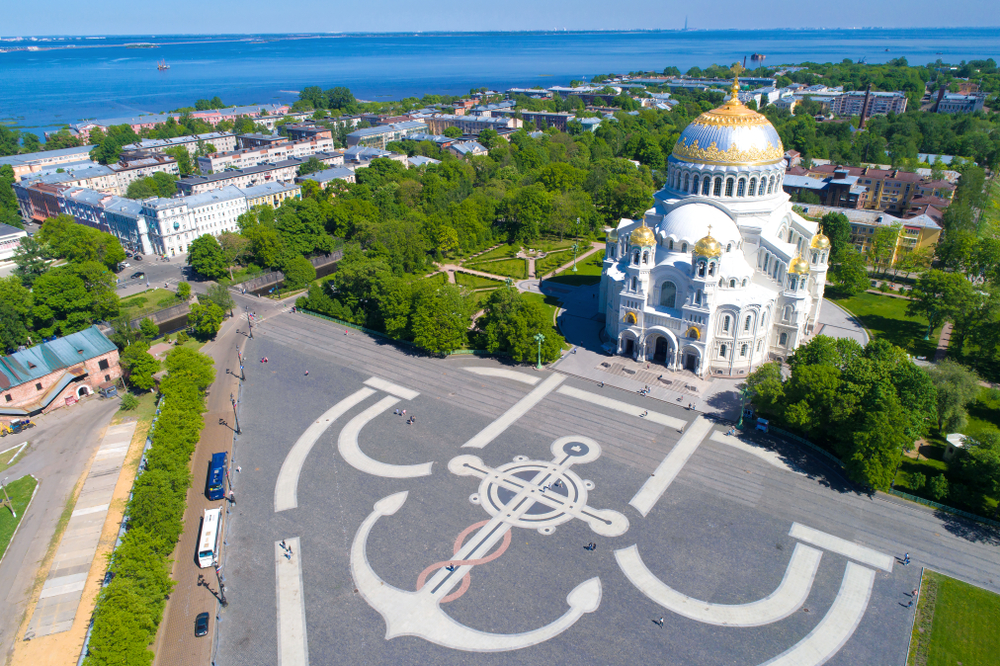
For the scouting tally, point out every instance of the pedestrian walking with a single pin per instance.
(307, 373)
(906, 558)
(238, 469)
(602, 384)
(232, 497)
(288, 556)
(910, 605)
(284, 546)
(914, 593)
(659, 622)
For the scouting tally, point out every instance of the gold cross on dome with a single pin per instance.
(736, 69)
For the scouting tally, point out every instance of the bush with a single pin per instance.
(129, 402)
(182, 337)
(916, 481)
(939, 488)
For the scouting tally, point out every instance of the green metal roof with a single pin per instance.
(36, 362)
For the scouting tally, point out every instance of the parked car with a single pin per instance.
(138, 257)
(137, 275)
(201, 624)
(127, 265)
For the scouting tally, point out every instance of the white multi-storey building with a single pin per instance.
(174, 223)
(721, 275)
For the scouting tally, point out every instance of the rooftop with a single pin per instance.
(327, 175)
(267, 188)
(28, 158)
(36, 362)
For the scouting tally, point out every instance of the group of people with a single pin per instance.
(402, 412)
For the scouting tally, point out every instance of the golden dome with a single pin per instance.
(799, 266)
(642, 236)
(708, 246)
(819, 241)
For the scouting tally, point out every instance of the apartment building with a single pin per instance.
(382, 135)
(275, 152)
(956, 103)
(174, 223)
(325, 178)
(132, 170)
(33, 162)
(470, 125)
(284, 170)
(271, 194)
(257, 140)
(915, 233)
(878, 103)
(307, 131)
(221, 141)
(890, 190)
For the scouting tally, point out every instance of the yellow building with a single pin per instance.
(271, 194)
(915, 233)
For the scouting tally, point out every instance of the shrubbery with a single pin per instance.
(130, 607)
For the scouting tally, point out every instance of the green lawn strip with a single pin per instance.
(437, 278)
(11, 455)
(984, 412)
(502, 252)
(588, 271)
(515, 268)
(551, 244)
(552, 261)
(20, 492)
(148, 302)
(961, 621)
(476, 281)
(885, 317)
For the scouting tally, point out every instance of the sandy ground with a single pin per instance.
(64, 648)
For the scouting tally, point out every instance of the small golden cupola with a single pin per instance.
(643, 236)
(708, 247)
(799, 266)
(820, 241)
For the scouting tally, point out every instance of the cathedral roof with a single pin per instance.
(642, 236)
(731, 135)
(799, 266)
(708, 246)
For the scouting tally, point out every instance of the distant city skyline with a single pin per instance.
(125, 17)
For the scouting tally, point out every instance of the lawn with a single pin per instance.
(550, 244)
(437, 278)
(955, 624)
(20, 494)
(148, 302)
(515, 268)
(588, 271)
(501, 252)
(552, 261)
(10, 456)
(476, 281)
(885, 317)
(984, 413)
(991, 211)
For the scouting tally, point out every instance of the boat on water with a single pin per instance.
(162, 65)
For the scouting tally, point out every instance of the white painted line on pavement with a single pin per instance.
(349, 448)
(622, 407)
(92, 509)
(293, 648)
(495, 429)
(788, 598)
(657, 484)
(287, 486)
(840, 546)
(770, 457)
(837, 626)
(522, 377)
(393, 389)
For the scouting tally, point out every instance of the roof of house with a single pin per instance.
(266, 189)
(420, 160)
(469, 148)
(327, 175)
(7, 230)
(36, 362)
(28, 158)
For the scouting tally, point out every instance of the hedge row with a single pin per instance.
(130, 607)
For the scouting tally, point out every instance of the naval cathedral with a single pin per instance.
(721, 275)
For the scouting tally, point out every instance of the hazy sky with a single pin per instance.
(103, 17)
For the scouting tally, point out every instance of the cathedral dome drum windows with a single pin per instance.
(668, 295)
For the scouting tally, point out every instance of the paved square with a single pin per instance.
(463, 536)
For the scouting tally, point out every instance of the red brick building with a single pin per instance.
(57, 373)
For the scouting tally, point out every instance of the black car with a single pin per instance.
(201, 624)
(137, 275)
(137, 257)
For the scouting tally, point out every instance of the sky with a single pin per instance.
(130, 17)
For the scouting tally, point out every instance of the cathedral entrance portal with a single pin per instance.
(691, 362)
(629, 349)
(660, 353)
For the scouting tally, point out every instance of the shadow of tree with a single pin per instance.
(969, 530)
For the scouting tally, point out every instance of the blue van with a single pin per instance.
(216, 487)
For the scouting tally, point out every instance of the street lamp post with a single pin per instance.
(250, 321)
(222, 586)
(240, 357)
(539, 338)
(235, 416)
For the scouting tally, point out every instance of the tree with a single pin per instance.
(139, 364)
(234, 249)
(957, 386)
(110, 144)
(15, 313)
(883, 246)
(940, 296)
(148, 329)
(29, 257)
(767, 393)
(311, 165)
(183, 290)
(878, 443)
(849, 272)
(220, 295)
(837, 228)
(453, 132)
(205, 256)
(183, 157)
(440, 318)
(510, 323)
(299, 272)
(205, 320)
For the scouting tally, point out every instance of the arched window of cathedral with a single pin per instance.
(722, 283)
(645, 257)
(717, 190)
(635, 258)
(741, 188)
(697, 297)
(706, 185)
(746, 324)
(701, 269)
(722, 351)
(711, 268)
(770, 185)
(763, 185)
(743, 350)
(732, 284)
(633, 284)
(729, 247)
(790, 235)
(788, 312)
(753, 186)
(668, 294)
(744, 282)
(684, 247)
(671, 243)
(758, 345)
(763, 320)
(729, 186)
(725, 324)
(815, 256)
(614, 251)
(791, 283)
(783, 339)
(686, 182)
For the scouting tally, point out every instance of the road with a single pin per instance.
(62, 445)
(157, 273)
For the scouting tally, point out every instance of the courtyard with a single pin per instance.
(468, 530)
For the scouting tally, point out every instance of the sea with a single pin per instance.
(49, 82)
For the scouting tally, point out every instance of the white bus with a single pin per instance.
(208, 542)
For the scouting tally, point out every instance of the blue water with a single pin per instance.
(104, 79)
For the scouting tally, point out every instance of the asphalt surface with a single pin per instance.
(720, 533)
(62, 444)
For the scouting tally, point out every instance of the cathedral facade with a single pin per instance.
(721, 275)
